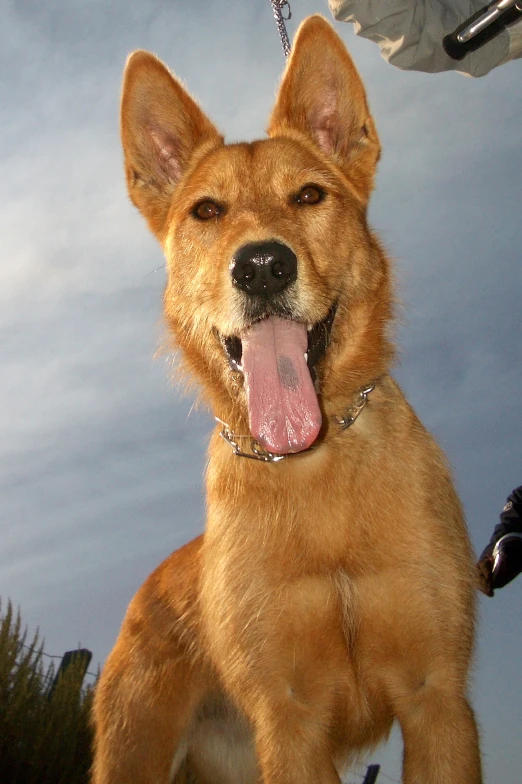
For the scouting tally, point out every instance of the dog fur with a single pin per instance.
(333, 592)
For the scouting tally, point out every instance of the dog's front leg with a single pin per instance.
(440, 738)
(292, 743)
(281, 654)
(142, 714)
(291, 735)
(153, 681)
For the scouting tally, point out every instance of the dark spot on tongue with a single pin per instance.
(287, 373)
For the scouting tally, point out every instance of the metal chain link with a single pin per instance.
(258, 453)
(349, 418)
(277, 6)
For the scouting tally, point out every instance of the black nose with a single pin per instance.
(264, 268)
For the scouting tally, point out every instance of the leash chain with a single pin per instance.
(277, 6)
(257, 451)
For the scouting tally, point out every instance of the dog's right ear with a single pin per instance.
(161, 128)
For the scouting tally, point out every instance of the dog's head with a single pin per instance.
(277, 294)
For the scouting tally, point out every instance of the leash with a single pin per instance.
(277, 7)
(258, 453)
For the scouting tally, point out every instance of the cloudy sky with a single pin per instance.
(102, 458)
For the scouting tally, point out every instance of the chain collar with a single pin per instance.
(258, 453)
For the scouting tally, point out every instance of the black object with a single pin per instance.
(507, 560)
(264, 268)
(371, 774)
(501, 561)
(80, 657)
(457, 50)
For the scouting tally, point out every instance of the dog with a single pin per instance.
(333, 591)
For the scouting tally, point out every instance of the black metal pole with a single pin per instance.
(371, 774)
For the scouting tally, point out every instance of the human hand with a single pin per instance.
(500, 564)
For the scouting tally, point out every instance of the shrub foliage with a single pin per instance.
(45, 735)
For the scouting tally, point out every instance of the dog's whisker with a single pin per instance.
(148, 274)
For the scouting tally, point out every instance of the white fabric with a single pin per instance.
(409, 33)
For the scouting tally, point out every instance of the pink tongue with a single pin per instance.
(283, 411)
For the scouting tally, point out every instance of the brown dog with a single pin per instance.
(333, 591)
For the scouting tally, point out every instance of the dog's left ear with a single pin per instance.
(322, 96)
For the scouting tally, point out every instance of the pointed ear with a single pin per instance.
(322, 96)
(161, 128)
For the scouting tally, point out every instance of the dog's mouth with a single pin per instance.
(278, 357)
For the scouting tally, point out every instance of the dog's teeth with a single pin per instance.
(306, 356)
(310, 327)
(235, 365)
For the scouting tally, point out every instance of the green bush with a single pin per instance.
(45, 735)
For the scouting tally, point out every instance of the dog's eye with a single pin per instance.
(310, 194)
(206, 210)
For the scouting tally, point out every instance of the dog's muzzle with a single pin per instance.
(277, 352)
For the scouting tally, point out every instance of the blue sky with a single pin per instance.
(102, 459)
